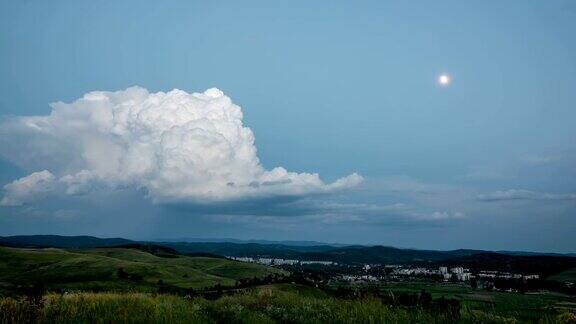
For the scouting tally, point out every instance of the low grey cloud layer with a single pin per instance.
(178, 147)
(520, 194)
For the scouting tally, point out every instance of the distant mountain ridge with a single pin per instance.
(542, 263)
(59, 241)
(209, 245)
(356, 254)
(267, 242)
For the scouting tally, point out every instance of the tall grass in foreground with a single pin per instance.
(257, 306)
(102, 308)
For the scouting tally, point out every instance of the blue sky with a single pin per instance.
(330, 88)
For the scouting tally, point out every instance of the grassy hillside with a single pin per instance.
(568, 275)
(99, 269)
(269, 304)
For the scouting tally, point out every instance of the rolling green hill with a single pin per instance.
(118, 269)
(568, 275)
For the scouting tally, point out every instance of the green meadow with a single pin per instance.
(525, 307)
(118, 269)
(568, 275)
(267, 304)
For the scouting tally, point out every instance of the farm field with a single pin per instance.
(527, 307)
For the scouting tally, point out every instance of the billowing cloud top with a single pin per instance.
(179, 147)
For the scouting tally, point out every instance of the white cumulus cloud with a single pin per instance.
(177, 146)
(28, 188)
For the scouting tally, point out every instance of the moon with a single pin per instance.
(444, 79)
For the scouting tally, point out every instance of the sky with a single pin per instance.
(291, 120)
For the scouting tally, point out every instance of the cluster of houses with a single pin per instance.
(352, 278)
(505, 275)
(394, 271)
(277, 262)
(459, 273)
(448, 274)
